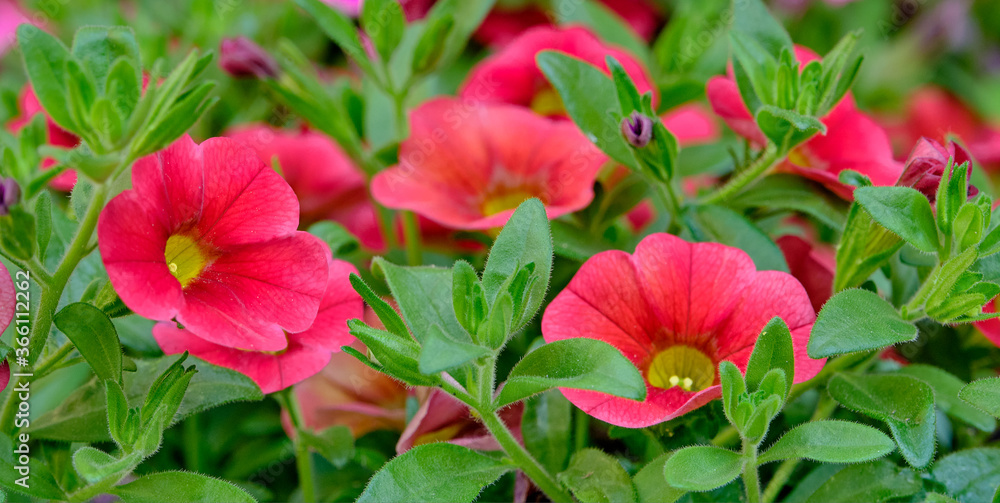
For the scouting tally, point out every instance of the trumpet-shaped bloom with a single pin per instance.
(853, 140)
(512, 75)
(58, 137)
(207, 236)
(934, 113)
(327, 183)
(307, 352)
(469, 166)
(676, 309)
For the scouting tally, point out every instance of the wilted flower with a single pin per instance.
(207, 236)
(676, 309)
(469, 166)
(10, 194)
(927, 163)
(240, 57)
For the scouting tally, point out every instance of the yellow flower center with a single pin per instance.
(682, 366)
(799, 158)
(548, 102)
(184, 258)
(506, 200)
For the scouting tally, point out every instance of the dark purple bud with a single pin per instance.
(10, 194)
(926, 164)
(242, 58)
(637, 129)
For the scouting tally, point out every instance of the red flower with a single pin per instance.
(676, 309)
(11, 16)
(512, 75)
(852, 141)
(934, 113)
(58, 136)
(926, 166)
(207, 236)
(812, 264)
(469, 166)
(443, 418)
(503, 24)
(307, 352)
(328, 184)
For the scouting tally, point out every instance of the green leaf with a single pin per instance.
(947, 389)
(335, 443)
(98, 47)
(970, 475)
(398, 356)
(45, 60)
(651, 486)
(340, 29)
(594, 476)
(581, 363)
(82, 417)
(702, 468)
(857, 320)
(181, 486)
(773, 350)
(424, 298)
(786, 128)
(384, 24)
(525, 239)
(96, 465)
(904, 211)
(123, 86)
(339, 239)
(39, 481)
(722, 225)
(871, 482)
(904, 403)
(441, 352)
(95, 338)
(546, 428)
(830, 442)
(792, 192)
(43, 223)
(431, 45)
(733, 386)
(438, 472)
(386, 314)
(864, 247)
(750, 17)
(591, 101)
(984, 394)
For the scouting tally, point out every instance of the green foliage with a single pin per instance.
(971, 474)
(877, 482)
(181, 486)
(903, 211)
(702, 468)
(94, 337)
(594, 476)
(857, 320)
(984, 394)
(830, 442)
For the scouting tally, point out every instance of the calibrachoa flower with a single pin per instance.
(934, 113)
(676, 309)
(207, 237)
(927, 163)
(240, 57)
(58, 136)
(852, 141)
(443, 418)
(812, 264)
(328, 184)
(469, 166)
(11, 16)
(512, 75)
(504, 24)
(307, 352)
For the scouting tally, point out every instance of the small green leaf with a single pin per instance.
(386, 314)
(857, 320)
(733, 386)
(98, 47)
(181, 486)
(335, 443)
(904, 211)
(702, 468)
(786, 128)
(947, 390)
(440, 352)
(439, 472)
(340, 29)
(546, 428)
(971, 474)
(39, 481)
(792, 192)
(432, 43)
(864, 247)
(339, 239)
(96, 465)
(424, 298)
(651, 486)
(384, 24)
(773, 350)
(594, 476)
(904, 403)
(95, 338)
(871, 482)
(830, 442)
(984, 394)
(45, 60)
(573, 363)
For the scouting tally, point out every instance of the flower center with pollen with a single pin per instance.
(682, 366)
(506, 200)
(185, 258)
(547, 102)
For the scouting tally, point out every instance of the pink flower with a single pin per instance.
(327, 183)
(990, 328)
(307, 352)
(852, 141)
(58, 136)
(350, 7)
(469, 166)
(676, 309)
(926, 166)
(207, 236)
(934, 113)
(512, 75)
(240, 57)
(443, 418)
(812, 264)
(504, 23)
(11, 16)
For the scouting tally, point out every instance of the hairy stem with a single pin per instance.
(823, 411)
(751, 479)
(740, 181)
(303, 458)
(528, 464)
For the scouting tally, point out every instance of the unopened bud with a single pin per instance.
(241, 58)
(637, 129)
(10, 194)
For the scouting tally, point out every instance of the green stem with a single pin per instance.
(192, 443)
(531, 467)
(751, 479)
(50, 362)
(738, 182)
(668, 197)
(303, 458)
(726, 437)
(411, 234)
(787, 467)
(52, 292)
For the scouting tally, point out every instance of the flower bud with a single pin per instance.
(10, 194)
(926, 166)
(241, 58)
(637, 129)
